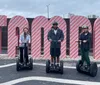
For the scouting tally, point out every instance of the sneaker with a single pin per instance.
(87, 67)
(21, 63)
(57, 65)
(27, 63)
(51, 64)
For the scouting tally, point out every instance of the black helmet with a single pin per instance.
(55, 23)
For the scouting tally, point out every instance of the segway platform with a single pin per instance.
(24, 66)
(54, 68)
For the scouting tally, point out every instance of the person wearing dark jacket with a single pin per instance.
(55, 37)
(85, 40)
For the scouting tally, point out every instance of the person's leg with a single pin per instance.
(58, 55)
(51, 59)
(82, 55)
(21, 54)
(87, 59)
(52, 55)
(58, 59)
(26, 54)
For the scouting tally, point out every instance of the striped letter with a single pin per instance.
(96, 39)
(75, 23)
(3, 22)
(17, 21)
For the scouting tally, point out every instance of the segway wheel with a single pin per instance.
(93, 69)
(47, 66)
(31, 64)
(61, 67)
(18, 65)
(78, 65)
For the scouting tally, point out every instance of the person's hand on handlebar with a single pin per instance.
(24, 42)
(50, 40)
(59, 40)
(84, 41)
(78, 41)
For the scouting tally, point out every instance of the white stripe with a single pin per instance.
(50, 79)
(8, 65)
(39, 64)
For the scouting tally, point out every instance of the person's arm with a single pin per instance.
(29, 39)
(20, 39)
(62, 37)
(88, 38)
(49, 36)
(80, 37)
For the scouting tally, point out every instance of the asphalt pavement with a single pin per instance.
(38, 76)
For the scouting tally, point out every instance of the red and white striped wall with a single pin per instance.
(62, 25)
(96, 39)
(39, 22)
(75, 23)
(3, 22)
(17, 21)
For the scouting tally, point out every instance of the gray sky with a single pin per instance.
(33, 8)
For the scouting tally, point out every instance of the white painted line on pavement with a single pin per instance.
(50, 79)
(98, 65)
(39, 64)
(7, 65)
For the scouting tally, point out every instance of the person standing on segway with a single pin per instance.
(85, 40)
(55, 37)
(24, 38)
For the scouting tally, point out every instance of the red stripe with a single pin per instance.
(60, 26)
(77, 22)
(10, 49)
(39, 25)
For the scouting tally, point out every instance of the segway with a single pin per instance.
(89, 70)
(24, 65)
(54, 67)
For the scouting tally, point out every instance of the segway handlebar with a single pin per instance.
(54, 40)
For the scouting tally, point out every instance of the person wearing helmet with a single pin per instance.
(85, 39)
(55, 37)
